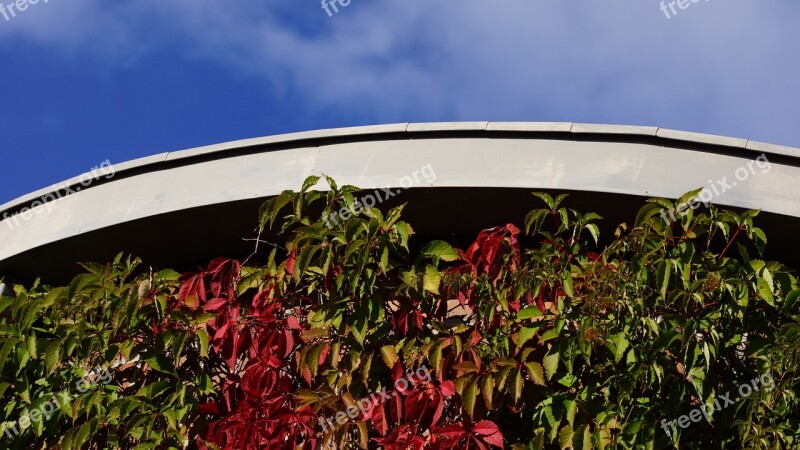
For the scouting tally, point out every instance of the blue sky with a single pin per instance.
(82, 81)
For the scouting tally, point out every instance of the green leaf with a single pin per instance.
(66, 441)
(271, 208)
(791, 300)
(534, 220)
(647, 211)
(595, 231)
(441, 250)
(360, 323)
(618, 344)
(767, 275)
(525, 335)
(571, 407)
(307, 397)
(312, 358)
(384, 264)
(331, 183)
(172, 422)
(159, 362)
(309, 183)
(487, 391)
(567, 283)
(31, 315)
(663, 274)
(303, 260)
(404, 230)
(393, 216)
(516, 384)
(664, 203)
(166, 275)
(565, 437)
(535, 373)
(53, 354)
(550, 363)
(466, 367)
(529, 312)
(687, 198)
(32, 345)
(202, 339)
(389, 355)
(431, 280)
(469, 396)
(765, 290)
(5, 302)
(582, 440)
(549, 201)
(760, 239)
(83, 434)
(546, 198)
(435, 357)
(177, 346)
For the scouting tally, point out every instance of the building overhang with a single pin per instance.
(181, 208)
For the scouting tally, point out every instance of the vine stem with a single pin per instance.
(708, 305)
(741, 227)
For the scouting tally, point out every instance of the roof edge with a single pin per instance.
(548, 128)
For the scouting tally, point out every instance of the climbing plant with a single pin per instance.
(355, 335)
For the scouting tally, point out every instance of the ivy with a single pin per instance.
(552, 337)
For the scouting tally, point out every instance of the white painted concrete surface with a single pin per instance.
(520, 155)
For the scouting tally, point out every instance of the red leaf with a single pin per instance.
(209, 408)
(452, 432)
(192, 284)
(215, 304)
(220, 334)
(290, 261)
(462, 299)
(379, 419)
(475, 337)
(293, 323)
(540, 302)
(514, 241)
(489, 433)
(447, 389)
(262, 299)
(224, 275)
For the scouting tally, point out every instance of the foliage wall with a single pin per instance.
(534, 337)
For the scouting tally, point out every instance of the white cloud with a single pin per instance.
(722, 66)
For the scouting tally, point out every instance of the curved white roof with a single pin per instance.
(629, 160)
